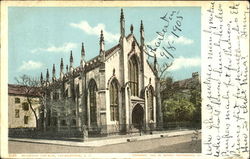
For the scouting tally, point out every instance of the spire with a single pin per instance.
(142, 34)
(155, 62)
(131, 29)
(61, 69)
(41, 78)
(101, 42)
(101, 36)
(53, 73)
(61, 65)
(71, 56)
(122, 24)
(83, 51)
(122, 15)
(71, 62)
(141, 27)
(47, 75)
(82, 56)
(54, 70)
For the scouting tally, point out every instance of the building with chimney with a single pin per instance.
(112, 93)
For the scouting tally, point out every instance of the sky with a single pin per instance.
(39, 37)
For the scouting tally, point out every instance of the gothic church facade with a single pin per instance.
(113, 92)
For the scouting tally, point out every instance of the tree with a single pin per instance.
(160, 70)
(31, 89)
(58, 105)
(49, 108)
(178, 109)
(167, 90)
(61, 109)
(195, 98)
(181, 103)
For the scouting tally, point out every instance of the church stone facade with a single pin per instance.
(111, 93)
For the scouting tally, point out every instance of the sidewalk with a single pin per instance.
(101, 141)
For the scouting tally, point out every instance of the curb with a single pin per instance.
(98, 143)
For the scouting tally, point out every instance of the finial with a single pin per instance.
(131, 28)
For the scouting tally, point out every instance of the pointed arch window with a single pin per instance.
(114, 100)
(133, 76)
(151, 103)
(92, 101)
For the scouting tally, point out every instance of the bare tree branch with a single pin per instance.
(162, 70)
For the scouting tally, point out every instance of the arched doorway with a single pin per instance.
(137, 116)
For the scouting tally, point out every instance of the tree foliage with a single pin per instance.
(178, 109)
(181, 104)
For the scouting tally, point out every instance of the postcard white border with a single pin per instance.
(4, 72)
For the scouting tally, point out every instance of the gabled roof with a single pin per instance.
(96, 61)
(23, 90)
(186, 83)
(111, 50)
(183, 83)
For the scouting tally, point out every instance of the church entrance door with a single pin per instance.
(137, 116)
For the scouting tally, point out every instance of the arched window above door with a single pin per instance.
(133, 75)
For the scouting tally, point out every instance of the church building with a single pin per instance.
(115, 92)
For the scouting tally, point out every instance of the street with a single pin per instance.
(177, 144)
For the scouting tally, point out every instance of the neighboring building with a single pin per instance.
(19, 113)
(111, 93)
(184, 87)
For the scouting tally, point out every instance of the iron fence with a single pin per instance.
(103, 130)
